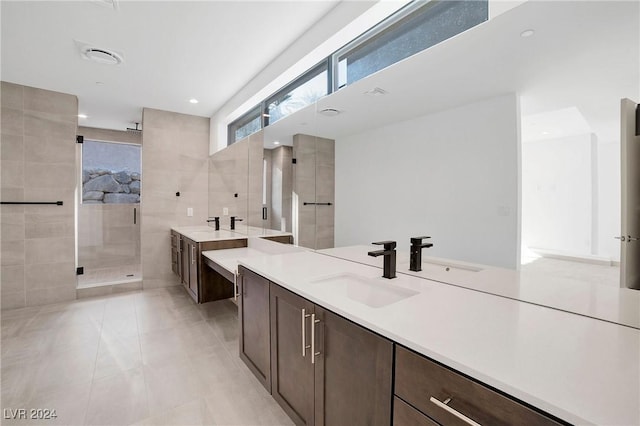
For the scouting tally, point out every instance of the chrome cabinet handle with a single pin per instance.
(235, 287)
(304, 316)
(314, 321)
(453, 412)
(193, 254)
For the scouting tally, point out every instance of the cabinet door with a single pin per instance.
(184, 259)
(193, 270)
(253, 311)
(353, 373)
(291, 358)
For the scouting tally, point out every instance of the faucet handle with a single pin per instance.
(418, 240)
(388, 245)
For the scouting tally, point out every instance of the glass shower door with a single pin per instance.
(109, 214)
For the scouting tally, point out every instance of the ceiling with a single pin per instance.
(570, 75)
(173, 51)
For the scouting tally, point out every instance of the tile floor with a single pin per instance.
(114, 275)
(143, 358)
(575, 271)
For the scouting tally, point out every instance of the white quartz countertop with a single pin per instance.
(618, 305)
(201, 234)
(256, 247)
(254, 231)
(582, 370)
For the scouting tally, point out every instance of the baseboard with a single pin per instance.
(595, 260)
(107, 289)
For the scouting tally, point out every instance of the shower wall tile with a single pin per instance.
(47, 275)
(11, 148)
(175, 149)
(38, 164)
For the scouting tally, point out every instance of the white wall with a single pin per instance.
(609, 199)
(571, 196)
(557, 191)
(451, 175)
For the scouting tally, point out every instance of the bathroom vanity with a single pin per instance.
(332, 339)
(204, 280)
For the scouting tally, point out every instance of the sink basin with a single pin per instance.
(373, 292)
(430, 266)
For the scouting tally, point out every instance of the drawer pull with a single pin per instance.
(314, 321)
(305, 315)
(450, 410)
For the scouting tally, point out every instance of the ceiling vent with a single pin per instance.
(99, 54)
(110, 4)
(329, 112)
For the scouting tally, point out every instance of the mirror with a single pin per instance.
(494, 139)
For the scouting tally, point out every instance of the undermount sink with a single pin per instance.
(442, 267)
(373, 292)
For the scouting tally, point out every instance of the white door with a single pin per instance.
(630, 173)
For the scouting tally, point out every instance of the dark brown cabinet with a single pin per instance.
(292, 376)
(447, 397)
(176, 261)
(327, 370)
(201, 282)
(191, 281)
(253, 314)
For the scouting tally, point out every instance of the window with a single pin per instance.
(415, 28)
(244, 126)
(304, 91)
(110, 173)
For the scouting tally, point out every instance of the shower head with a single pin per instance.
(136, 130)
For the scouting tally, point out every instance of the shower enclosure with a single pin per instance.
(108, 244)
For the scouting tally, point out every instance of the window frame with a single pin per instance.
(308, 75)
(243, 120)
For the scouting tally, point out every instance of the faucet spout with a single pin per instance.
(415, 259)
(215, 219)
(389, 254)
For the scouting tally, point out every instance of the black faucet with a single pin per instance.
(215, 219)
(389, 254)
(233, 222)
(415, 260)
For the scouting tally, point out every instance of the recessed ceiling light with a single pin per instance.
(276, 143)
(376, 91)
(82, 116)
(193, 100)
(329, 112)
(527, 33)
(545, 133)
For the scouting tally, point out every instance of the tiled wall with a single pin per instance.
(38, 155)
(228, 172)
(175, 150)
(281, 188)
(314, 181)
(255, 182)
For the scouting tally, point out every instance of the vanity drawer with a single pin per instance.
(422, 383)
(406, 415)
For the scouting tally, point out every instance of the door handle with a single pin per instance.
(630, 238)
(314, 321)
(193, 254)
(304, 317)
(623, 238)
(135, 215)
(453, 412)
(235, 287)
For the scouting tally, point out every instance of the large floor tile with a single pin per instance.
(120, 399)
